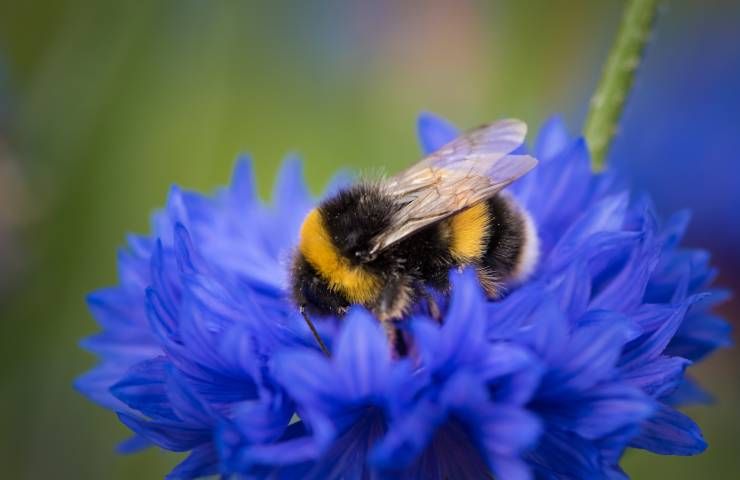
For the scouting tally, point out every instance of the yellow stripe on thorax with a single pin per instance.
(356, 283)
(469, 232)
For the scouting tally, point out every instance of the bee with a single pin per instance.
(386, 244)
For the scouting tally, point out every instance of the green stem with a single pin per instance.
(616, 80)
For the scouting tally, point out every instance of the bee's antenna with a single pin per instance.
(315, 333)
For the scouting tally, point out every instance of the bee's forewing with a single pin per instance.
(467, 170)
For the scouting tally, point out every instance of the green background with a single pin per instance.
(111, 102)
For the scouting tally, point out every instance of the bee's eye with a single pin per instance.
(364, 255)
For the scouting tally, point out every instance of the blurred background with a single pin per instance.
(104, 104)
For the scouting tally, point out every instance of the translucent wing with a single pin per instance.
(471, 168)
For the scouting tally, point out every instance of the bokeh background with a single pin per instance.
(104, 104)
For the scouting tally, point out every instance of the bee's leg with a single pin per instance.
(432, 306)
(396, 339)
(392, 305)
(491, 283)
(395, 299)
(434, 310)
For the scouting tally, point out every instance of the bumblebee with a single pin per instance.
(386, 244)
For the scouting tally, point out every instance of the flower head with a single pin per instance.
(202, 351)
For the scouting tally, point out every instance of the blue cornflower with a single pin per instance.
(203, 352)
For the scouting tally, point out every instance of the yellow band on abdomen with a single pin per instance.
(357, 284)
(469, 231)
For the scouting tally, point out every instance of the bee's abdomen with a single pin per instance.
(469, 233)
(512, 245)
(497, 237)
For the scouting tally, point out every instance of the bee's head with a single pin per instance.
(354, 217)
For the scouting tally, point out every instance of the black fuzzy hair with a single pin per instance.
(355, 216)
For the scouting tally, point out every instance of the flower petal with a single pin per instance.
(363, 353)
(688, 393)
(307, 376)
(552, 139)
(651, 345)
(589, 356)
(609, 408)
(434, 132)
(658, 377)
(135, 443)
(242, 192)
(168, 435)
(510, 468)
(144, 390)
(670, 432)
(561, 454)
(202, 462)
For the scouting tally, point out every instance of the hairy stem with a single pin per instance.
(608, 101)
